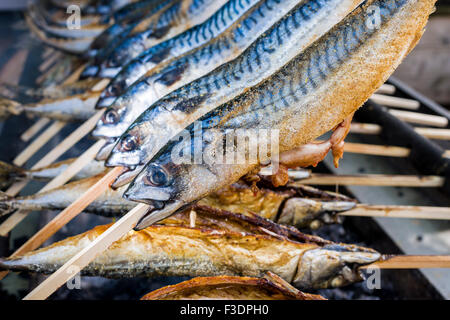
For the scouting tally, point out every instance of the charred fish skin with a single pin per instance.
(181, 251)
(315, 88)
(271, 287)
(176, 19)
(175, 47)
(286, 39)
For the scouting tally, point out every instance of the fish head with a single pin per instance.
(332, 266)
(121, 82)
(105, 151)
(173, 181)
(90, 71)
(121, 114)
(141, 140)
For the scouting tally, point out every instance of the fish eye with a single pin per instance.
(114, 89)
(111, 116)
(129, 143)
(157, 177)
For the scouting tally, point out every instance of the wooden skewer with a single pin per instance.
(365, 128)
(411, 262)
(375, 149)
(49, 61)
(38, 143)
(34, 129)
(48, 52)
(75, 75)
(395, 102)
(386, 89)
(12, 71)
(60, 180)
(66, 144)
(71, 140)
(420, 118)
(70, 212)
(410, 212)
(430, 133)
(375, 180)
(88, 254)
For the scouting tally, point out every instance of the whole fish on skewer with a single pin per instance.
(234, 14)
(165, 118)
(302, 207)
(173, 20)
(10, 173)
(315, 92)
(191, 251)
(271, 287)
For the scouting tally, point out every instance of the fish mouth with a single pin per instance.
(89, 72)
(126, 177)
(106, 131)
(105, 151)
(108, 72)
(155, 214)
(119, 159)
(105, 101)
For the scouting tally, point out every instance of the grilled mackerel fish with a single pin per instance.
(271, 287)
(164, 119)
(301, 206)
(227, 245)
(322, 86)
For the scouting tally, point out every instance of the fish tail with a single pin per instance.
(9, 107)
(6, 206)
(10, 173)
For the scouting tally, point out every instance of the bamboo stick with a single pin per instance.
(71, 140)
(70, 212)
(393, 211)
(396, 102)
(411, 262)
(12, 70)
(47, 63)
(386, 89)
(75, 75)
(66, 144)
(375, 180)
(365, 128)
(430, 133)
(34, 129)
(38, 143)
(420, 118)
(58, 181)
(84, 257)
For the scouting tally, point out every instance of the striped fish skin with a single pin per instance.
(185, 251)
(285, 40)
(323, 86)
(125, 21)
(175, 47)
(174, 19)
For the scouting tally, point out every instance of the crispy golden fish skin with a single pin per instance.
(186, 251)
(231, 288)
(322, 86)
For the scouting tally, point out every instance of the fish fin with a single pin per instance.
(9, 107)
(10, 173)
(5, 204)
